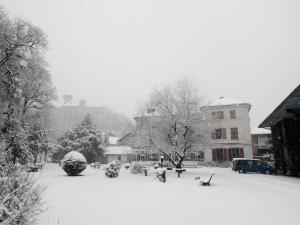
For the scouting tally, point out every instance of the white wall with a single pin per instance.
(242, 122)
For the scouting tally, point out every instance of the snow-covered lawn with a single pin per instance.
(233, 198)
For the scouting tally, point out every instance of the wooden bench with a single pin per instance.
(39, 165)
(32, 169)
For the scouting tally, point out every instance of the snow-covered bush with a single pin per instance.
(137, 168)
(161, 175)
(112, 169)
(74, 163)
(20, 196)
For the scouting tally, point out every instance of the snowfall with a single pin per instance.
(135, 199)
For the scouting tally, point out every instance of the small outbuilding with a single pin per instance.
(120, 153)
(284, 123)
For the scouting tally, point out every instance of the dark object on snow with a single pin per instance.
(251, 165)
(161, 175)
(74, 163)
(284, 122)
(197, 178)
(206, 183)
(179, 171)
(39, 166)
(146, 172)
(32, 169)
(127, 167)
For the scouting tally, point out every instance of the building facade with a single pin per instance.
(230, 135)
(230, 130)
(261, 142)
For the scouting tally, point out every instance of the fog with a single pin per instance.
(114, 53)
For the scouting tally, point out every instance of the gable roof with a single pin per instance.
(290, 103)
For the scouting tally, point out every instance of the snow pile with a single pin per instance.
(74, 163)
(112, 169)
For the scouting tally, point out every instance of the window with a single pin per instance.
(234, 133)
(259, 163)
(219, 154)
(235, 153)
(194, 156)
(219, 133)
(232, 114)
(223, 154)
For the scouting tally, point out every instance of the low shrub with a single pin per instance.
(112, 169)
(20, 196)
(74, 163)
(161, 175)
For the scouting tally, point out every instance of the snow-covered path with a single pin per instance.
(233, 198)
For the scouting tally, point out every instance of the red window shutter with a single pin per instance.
(229, 154)
(214, 155)
(224, 133)
(241, 153)
(225, 154)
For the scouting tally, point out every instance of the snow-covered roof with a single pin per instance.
(113, 140)
(257, 130)
(226, 101)
(117, 150)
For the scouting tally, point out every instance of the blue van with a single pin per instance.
(251, 165)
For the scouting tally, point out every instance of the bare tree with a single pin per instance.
(175, 122)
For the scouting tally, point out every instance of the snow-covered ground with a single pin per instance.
(233, 198)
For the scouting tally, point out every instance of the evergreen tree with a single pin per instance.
(84, 138)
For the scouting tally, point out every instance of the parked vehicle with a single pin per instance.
(251, 165)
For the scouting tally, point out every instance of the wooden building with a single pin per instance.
(284, 122)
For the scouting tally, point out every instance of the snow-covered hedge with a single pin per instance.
(137, 168)
(20, 196)
(112, 169)
(74, 163)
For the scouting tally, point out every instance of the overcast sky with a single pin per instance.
(115, 52)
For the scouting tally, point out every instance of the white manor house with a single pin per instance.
(230, 137)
